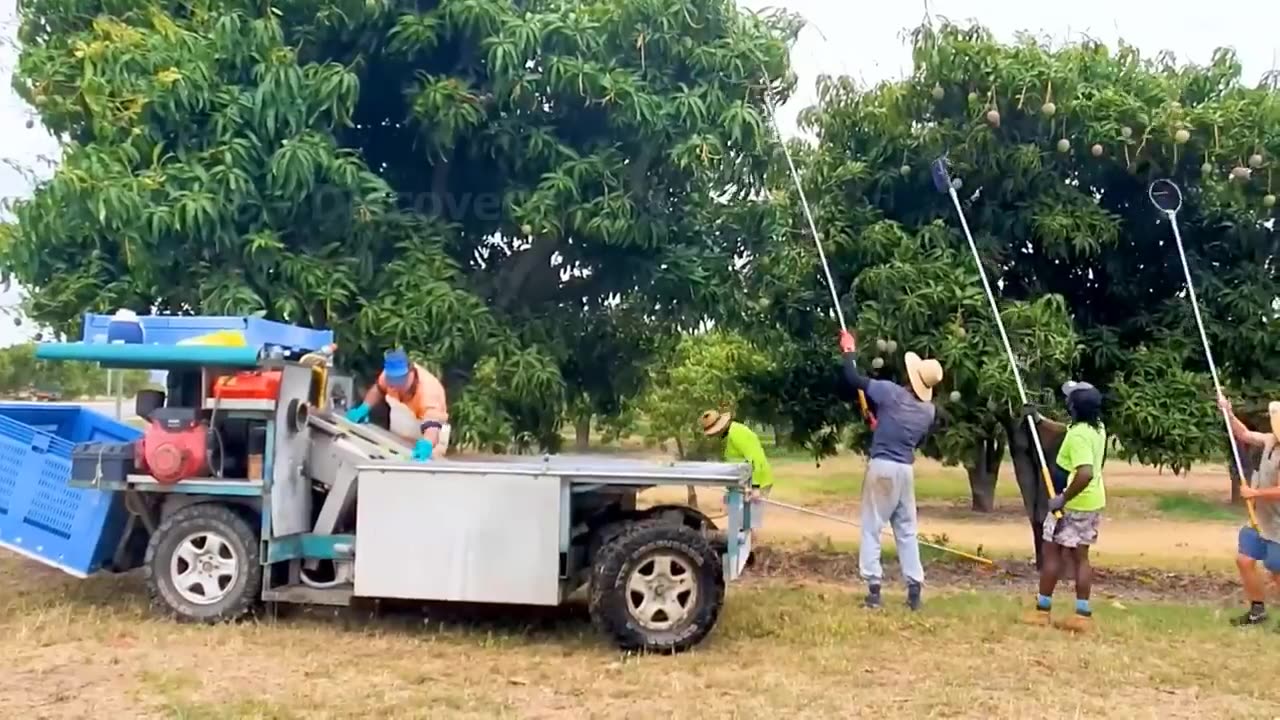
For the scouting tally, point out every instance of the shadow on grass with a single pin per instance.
(496, 622)
(35, 594)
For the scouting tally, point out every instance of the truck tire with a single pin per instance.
(203, 565)
(657, 587)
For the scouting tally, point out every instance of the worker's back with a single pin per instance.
(425, 398)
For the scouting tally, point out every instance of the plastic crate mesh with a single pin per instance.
(15, 443)
(42, 516)
(55, 503)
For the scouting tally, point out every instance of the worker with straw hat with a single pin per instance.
(742, 445)
(905, 414)
(1263, 542)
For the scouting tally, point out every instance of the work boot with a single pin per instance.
(1253, 617)
(1078, 623)
(873, 600)
(1037, 617)
(913, 596)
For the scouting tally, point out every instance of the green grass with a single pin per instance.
(838, 479)
(1189, 507)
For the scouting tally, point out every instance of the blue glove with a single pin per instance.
(359, 413)
(1057, 502)
(422, 450)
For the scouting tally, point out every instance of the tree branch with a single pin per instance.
(515, 275)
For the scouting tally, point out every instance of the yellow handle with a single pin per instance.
(867, 415)
(1048, 485)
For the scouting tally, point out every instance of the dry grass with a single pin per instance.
(81, 649)
(1186, 527)
(795, 646)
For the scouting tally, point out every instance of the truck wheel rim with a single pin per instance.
(662, 591)
(204, 568)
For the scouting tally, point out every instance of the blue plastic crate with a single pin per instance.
(41, 516)
(172, 329)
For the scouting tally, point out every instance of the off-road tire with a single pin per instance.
(240, 599)
(631, 549)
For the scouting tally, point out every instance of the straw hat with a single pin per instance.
(923, 374)
(714, 423)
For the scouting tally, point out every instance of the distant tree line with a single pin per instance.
(21, 372)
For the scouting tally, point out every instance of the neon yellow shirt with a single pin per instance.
(1085, 445)
(743, 445)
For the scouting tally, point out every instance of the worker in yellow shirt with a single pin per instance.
(741, 444)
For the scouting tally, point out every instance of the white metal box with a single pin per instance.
(438, 532)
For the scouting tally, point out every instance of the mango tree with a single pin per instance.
(1053, 150)
(477, 180)
(699, 372)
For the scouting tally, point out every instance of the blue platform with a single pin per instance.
(172, 329)
(151, 356)
(41, 516)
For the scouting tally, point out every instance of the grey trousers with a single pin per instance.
(889, 497)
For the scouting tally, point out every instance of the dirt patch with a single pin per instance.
(1109, 582)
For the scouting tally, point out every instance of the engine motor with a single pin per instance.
(174, 446)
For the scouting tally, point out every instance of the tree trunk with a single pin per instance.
(984, 472)
(1027, 472)
(1251, 458)
(582, 433)
(777, 437)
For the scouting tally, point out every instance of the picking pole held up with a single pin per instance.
(822, 255)
(1167, 198)
(942, 182)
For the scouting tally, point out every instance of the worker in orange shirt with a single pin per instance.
(418, 391)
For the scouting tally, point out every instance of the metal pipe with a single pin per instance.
(942, 182)
(637, 477)
(1172, 214)
(817, 242)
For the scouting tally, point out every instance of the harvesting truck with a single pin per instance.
(248, 486)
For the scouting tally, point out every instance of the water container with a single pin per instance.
(125, 328)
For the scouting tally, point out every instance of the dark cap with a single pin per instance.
(1072, 386)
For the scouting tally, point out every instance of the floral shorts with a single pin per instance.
(1074, 529)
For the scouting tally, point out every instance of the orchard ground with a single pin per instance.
(792, 641)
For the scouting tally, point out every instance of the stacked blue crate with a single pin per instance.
(172, 329)
(41, 515)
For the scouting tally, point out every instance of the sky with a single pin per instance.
(845, 37)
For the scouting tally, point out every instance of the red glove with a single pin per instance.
(848, 343)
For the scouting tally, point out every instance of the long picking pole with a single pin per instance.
(1208, 353)
(943, 182)
(835, 518)
(822, 255)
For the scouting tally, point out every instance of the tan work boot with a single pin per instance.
(1036, 617)
(1077, 623)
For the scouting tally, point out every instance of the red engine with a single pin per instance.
(174, 446)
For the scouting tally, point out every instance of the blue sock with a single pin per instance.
(1044, 602)
(1082, 607)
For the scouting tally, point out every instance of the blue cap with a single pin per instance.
(395, 364)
